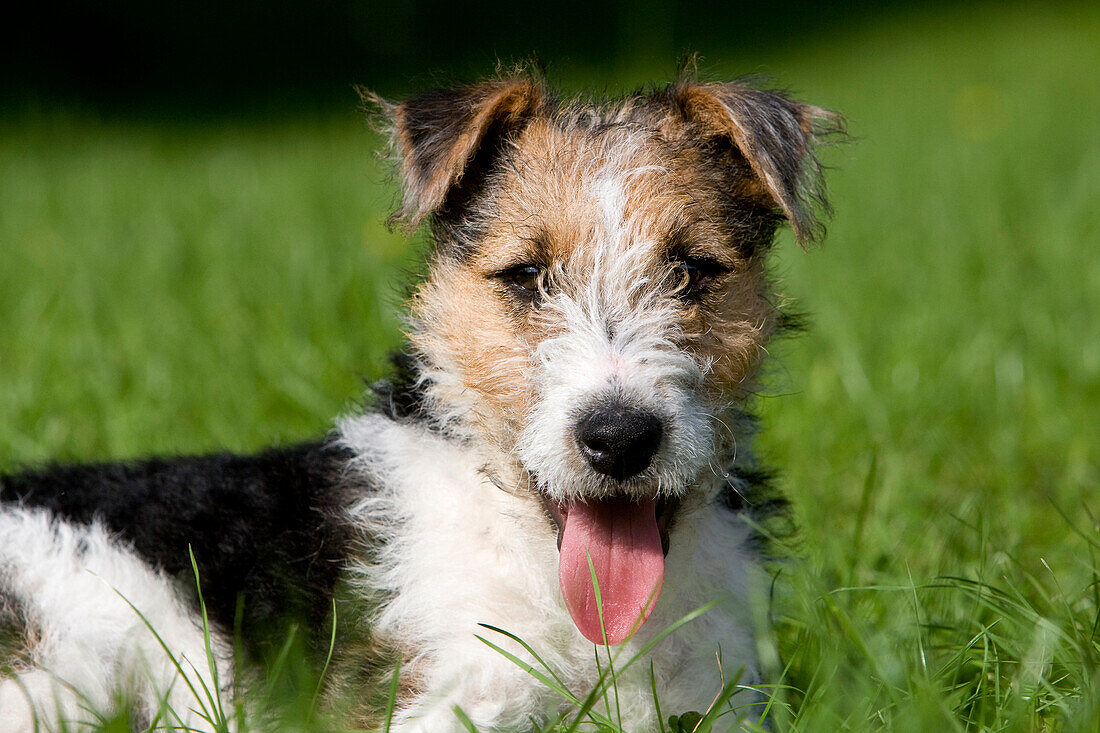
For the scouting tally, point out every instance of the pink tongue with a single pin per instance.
(622, 538)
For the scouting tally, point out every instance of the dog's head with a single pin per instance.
(597, 302)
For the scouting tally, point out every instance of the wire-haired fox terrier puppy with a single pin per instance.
(562, 452)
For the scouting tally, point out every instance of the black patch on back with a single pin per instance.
(264, 528)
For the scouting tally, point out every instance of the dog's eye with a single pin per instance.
(526, 281)
(526, 277)
(693, 275)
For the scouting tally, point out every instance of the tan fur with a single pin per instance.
(18, 637)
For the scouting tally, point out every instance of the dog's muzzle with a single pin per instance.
(617, 440)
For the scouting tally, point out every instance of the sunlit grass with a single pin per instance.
(169, 287)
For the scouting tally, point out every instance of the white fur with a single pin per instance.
(93, 649)
(461, 551)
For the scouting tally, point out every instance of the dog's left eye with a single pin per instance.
(693, 275)
(525, 280)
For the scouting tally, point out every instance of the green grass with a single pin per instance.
(180, 287)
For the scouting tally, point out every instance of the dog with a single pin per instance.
(562, 451)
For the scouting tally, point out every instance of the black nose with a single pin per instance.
(619, 441)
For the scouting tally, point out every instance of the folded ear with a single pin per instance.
(437, 134)
(775, 135)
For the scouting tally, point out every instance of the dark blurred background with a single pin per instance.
(210, 56)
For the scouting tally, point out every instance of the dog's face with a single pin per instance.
(597, 300)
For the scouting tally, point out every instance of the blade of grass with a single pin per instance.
(658, 638)
(590, 702)
(603, 633)
(391, 698)
(529, 669)
(656, 701)
(715, 710)
(204, 714)
(532, 652)
(328, 660)
(211, 662)
(278, 666)
(869, 485)
(465, 719)
(600, 680)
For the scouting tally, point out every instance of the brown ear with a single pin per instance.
(438, 133)
(776, 137)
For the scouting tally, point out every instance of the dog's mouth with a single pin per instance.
(626, 541)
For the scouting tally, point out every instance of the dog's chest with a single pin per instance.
(460, 551)
(463, 554)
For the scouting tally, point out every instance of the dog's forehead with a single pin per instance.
(567, 188)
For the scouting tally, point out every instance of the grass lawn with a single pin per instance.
(172, 286)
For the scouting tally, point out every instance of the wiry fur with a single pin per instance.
(642, 224)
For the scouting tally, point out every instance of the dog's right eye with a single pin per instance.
(525, 280)
(695, 275)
